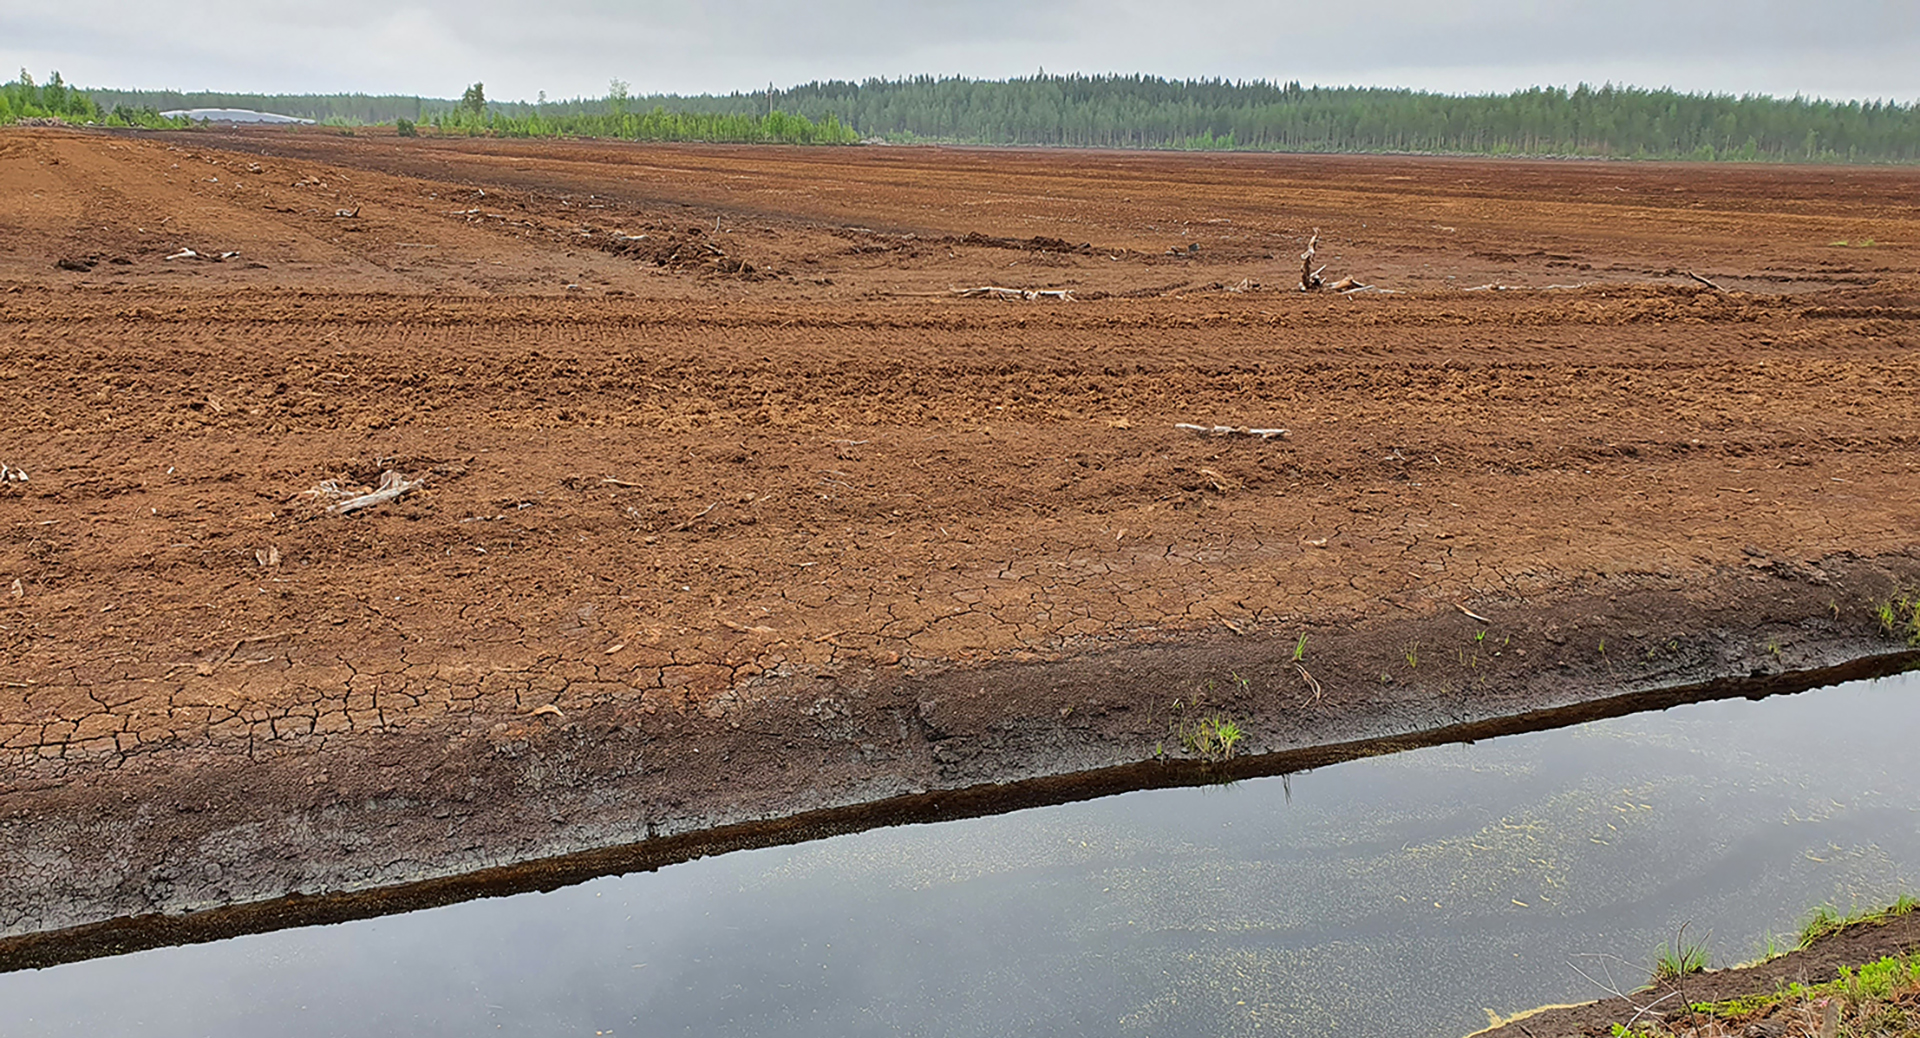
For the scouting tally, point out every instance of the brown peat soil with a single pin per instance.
(735, 523)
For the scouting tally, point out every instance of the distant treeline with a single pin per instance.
(1149, 112)
(350, 109)
(663, 119)
(474, 116)
(25, 99)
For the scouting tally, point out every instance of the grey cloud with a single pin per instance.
(1850, 47)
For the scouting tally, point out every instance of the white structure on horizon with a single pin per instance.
(232, 115)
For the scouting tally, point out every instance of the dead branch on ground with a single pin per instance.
(1311, 279)
(1495, 286)
(1703, 281)
(1229, 430)
(392, 485)
(996, 292)
(703, 514)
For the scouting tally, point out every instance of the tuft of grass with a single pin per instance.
(1821, 922)
(1899, 616)
(1679, 959)
(1300, 649)
(1210, 738)
(1827, 920)
(1413, 655)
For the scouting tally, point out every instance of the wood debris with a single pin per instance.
(996, 292)
(347, 500)
(703, 514)
(1220, 481)
(210, 257)
(9, 474)
(1309, 277)
(1229, 430)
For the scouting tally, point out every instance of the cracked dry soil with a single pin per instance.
(785, 538)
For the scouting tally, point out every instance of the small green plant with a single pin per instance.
(1210, 738)
(1819, 923)
(1228, 733)
(1413, 655)
(1827, 920)
(1479, 636)
(1300, 649)
(1680, 959)
(1899, 616)
(405, 128)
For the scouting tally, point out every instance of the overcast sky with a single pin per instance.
(1835, 48)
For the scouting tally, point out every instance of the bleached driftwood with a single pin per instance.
(996, 292)
(1309, 277)
(392, 485)
(1229, 430)
(186, 253)
(1703, 281)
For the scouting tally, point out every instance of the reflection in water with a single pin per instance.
(1392, 896)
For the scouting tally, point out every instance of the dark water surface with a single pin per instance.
(1383, 897)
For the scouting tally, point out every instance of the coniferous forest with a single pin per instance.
(1132, 111)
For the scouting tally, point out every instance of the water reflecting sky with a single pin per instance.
(1393, 896)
